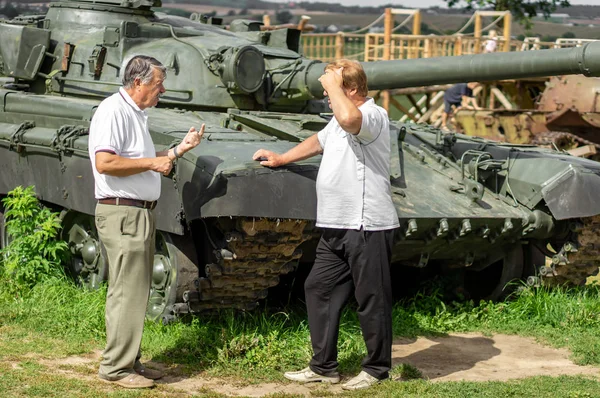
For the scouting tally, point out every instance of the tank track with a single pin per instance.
(576, 261)
(254, 254)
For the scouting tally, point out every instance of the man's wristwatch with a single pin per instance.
(175, 152)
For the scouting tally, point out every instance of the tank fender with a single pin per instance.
(572, 193)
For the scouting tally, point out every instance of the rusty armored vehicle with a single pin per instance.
(228, 228)
(562, 112)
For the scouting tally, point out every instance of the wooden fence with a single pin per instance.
(370, 46)
(418, 105)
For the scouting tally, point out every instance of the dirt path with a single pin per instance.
(470, 357)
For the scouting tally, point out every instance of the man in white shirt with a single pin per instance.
(491, 43)
(127, 172)
(358, 217)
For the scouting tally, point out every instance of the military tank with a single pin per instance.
(564, 113)
(228, 228)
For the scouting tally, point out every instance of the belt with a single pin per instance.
(144, 204)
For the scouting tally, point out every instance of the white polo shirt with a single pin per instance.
(119, 126)
(353, 184)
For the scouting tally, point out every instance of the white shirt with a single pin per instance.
(119, 126)
(490, 45)
(353, 184)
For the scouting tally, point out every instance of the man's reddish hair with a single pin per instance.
(353, 75)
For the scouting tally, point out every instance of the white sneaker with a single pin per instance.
(307, 376)
(363, 380)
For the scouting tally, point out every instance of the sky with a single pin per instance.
(413, 3)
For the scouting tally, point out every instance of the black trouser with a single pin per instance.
(350, 260)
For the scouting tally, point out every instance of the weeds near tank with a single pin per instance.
(230, 342)
(405, 372)
(59, 319)
(55, 318)
(33, 253)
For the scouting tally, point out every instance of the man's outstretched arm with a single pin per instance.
(304, 150)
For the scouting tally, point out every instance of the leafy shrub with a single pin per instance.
(33, 253)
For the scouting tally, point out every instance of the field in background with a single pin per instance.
(442, 23)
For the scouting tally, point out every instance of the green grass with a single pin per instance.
(56, 319)
(533, 387)
(29, 379)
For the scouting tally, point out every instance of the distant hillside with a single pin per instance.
(435, 20)
(578, 11)
(581, 22)
(590, 12)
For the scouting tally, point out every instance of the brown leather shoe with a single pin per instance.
(148, 373)
(133, 380)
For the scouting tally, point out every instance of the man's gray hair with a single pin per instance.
(141, 66)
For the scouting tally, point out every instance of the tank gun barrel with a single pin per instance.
(481, 67)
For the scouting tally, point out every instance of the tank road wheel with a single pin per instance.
(87, 265)
(4, 237)
(173, 271)
(492, 282)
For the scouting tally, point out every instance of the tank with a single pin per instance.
(565, 115)
(228, 229)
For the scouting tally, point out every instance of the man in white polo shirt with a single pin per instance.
(355, 210)
(127, 172)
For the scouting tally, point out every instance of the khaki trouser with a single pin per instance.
(128, 235)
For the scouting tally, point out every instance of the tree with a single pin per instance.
(283, 16)
(10, 11)
(522, 10)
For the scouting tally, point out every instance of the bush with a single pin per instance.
(33, 253)
(283, 17)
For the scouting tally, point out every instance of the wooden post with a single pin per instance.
(477, 32)
(398, 105)
(414, 104)
(427, 53)
(502, 98)
(458, 46)
(267, 20)
(385, 100)
(416, 30)
(303, 21)
(387, 33)
(387, 40)
(507, 23)
(339, 45)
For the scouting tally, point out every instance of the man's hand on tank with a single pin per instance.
(267, 158)
(162, 165)
(191, 140)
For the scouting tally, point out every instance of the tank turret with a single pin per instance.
(228, 229)
(79, 49)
